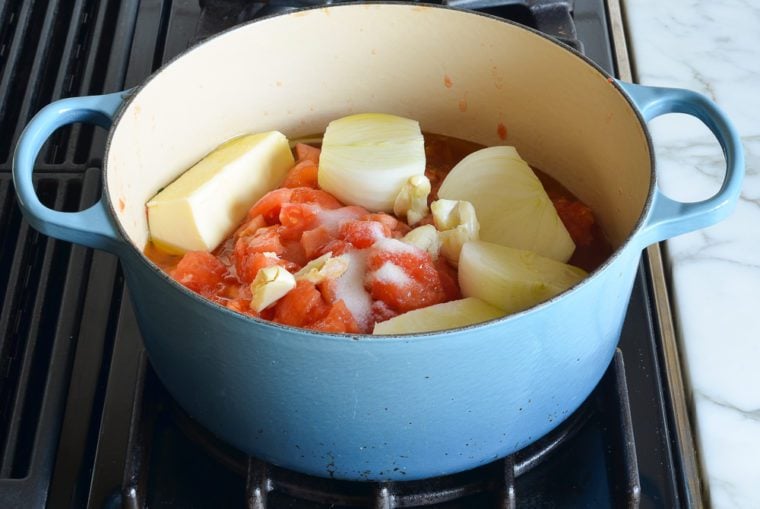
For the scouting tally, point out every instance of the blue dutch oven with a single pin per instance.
(379, 408)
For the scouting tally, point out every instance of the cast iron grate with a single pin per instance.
(43, 286)
(51, 49)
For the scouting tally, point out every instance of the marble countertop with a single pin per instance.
(712, 47)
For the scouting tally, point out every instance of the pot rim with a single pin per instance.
(417, 336)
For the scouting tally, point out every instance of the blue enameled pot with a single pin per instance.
(362, 407)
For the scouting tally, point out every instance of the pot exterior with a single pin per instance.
(382, 409)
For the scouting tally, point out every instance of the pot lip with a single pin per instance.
(628, 243)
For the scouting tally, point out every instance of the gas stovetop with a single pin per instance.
(83, 420)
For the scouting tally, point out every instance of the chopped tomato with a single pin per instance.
(388, 220)
(328, 289)
(401, 230)
(225, 252)
(306, 152)
(449, 281)
(363, 234)
(269, 205)
(332, 219)
(250, 226)
(381, 312)
(408, 296)
(317, 196)
(415, 262)
(398, 228)
(265, 240)
(239, 305)
(248, 265)
(294, 254)
(336, 247)
(405, 278)
(301, 306)
(297, 218)
(314, 240)
(232, 290)
(338, 319)
(242, 306)
(303, 174)
(199, 271)
(577, 218)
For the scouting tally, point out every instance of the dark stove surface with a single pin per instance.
(83, 420)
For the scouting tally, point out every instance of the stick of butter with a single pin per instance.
(205, 204)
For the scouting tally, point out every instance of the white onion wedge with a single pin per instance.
(512, 206)
(367, 158)
(448, 315)
(512, 279)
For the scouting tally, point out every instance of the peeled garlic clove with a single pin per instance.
(452, 242)
(448, 315)
(426, 238)
(512, 205)
(411, 201)
(512, 279)
(458, 224)
(449, 214)
(270, 285)
(444, 214)
(324, 267)
(367, 158)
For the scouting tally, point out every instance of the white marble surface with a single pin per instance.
(712, 46)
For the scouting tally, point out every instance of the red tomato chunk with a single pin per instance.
(577, 218)
(304, 174)
(403, 277)
(200, 271)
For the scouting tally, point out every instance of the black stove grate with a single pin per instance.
(54, 49)
(43, 285)
(71, 363)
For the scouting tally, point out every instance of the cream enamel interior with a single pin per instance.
(457, 73)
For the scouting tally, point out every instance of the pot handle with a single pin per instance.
(667, 217)
(91, 227)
